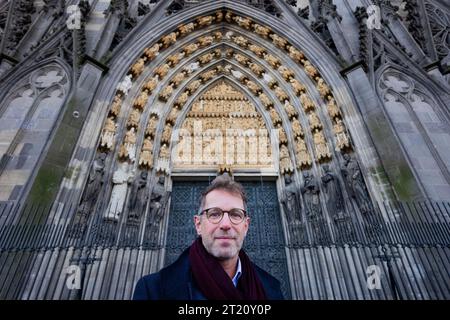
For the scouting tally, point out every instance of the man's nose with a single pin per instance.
(225, 223)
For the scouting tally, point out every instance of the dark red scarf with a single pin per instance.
(215, 284)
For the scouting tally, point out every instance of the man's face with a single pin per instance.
(224, 239)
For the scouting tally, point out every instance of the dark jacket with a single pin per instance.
(175, 282)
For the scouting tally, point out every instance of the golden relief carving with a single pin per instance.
(226, 118)
(296, 54)
(261, 30)
(178, 79)
(152, 52)
(242, 59)
(333, 109)
(323, 88)
(174, 59)
(151, 84)
(182, 99)
(279, 41)
(115, 107)
(186, 28)
(256, 69)
(297, 129)
(245, 23)
(307, 103)
(286, 73)
(302, 155)
(193, 86)
(281, 94)
(253, 87)
(259, 51)
(314, 121)
(290, 110)
(274, 116)
(282, 136)
(342, 140)
(240, 41)
(173, 115)
(141, 101)
(138, 67)
(152, 125)
(205, 21)
(166, 93)
(285, 161)
(273, 61)
(162, 70)
(298, 87)
(190, 49)
(133, 119)
(321, 147)
(127, 149)
(167, 134)
(205, 41)
(108, 132)
(146, 158)
(310, 70)
(265, 100)
(169, 39)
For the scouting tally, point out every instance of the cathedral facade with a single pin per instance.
(115, 114)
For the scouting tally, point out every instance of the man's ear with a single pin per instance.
(197, 222)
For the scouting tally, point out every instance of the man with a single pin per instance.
(214, 267)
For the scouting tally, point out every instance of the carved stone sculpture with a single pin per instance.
(321, 146)
(138, 198)
(356, 185)
(108, 132)
(120, 181)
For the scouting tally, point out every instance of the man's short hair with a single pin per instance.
(224, 182)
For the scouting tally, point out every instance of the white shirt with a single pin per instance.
(238, 273)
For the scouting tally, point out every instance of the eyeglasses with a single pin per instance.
(215, 215)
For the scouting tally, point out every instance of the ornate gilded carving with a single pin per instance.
(281, 94)
(178, 79)
(307, 103)
(310, 70)
(295, 54)
(208, 75)
(205, 21)
(273, 61)
(190, 49)
(146, 158)
(298, 87)
(259, 51)
(279, 41)
(323, 88)
(240, 41)
(314, 121)
(193, 86)
(265, 100)
(290, 110)
(342, 140)
(253, 87)
(274, 116)
(286, 73)
(173, 115)
(285, 161)
(243, 22)
(241, 59)
(321, 147)
(133, 119)
(302, 155)
(151, 125)
(205, 41)
(186, 28)
(108, 132)
(174, 59)
(141, 101)
(115, 107)
(138, 67)
(152, 52)
(182, 99)
(151, 84)
(261, 30)
(297, 129)
(332, 108)
(169, 39)
(256, 69)
(166, 93)
(162, 70)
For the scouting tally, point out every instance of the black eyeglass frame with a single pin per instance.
(223, 213)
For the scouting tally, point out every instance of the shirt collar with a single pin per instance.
(238, 273)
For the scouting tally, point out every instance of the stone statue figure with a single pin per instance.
(333, 193)
(158, 203)
(94, 184)
(310, 192)
(293, 209)
(138, 197)
(121, 177)
(355, 183)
